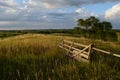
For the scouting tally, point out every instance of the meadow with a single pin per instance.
(37, 57)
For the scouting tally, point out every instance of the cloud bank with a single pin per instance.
(40, 14)
(113, 15)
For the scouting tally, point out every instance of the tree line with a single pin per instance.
(93, 28)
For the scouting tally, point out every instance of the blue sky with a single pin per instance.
(55, 14)
(100, 8)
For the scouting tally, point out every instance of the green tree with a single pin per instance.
(106, 25)
(93, 21)
(85, 24)
(81, 23)
(88, 23)
(92, 27)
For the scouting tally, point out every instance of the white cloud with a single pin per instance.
(11, 2)
(49, 13)
(83, 13)
(44, 16)
(80, 10)
(10, 11)
(4, 23)
(113, 13)
(60, 3)
(8, 3)
(31, 3)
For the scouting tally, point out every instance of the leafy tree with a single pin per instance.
(84, 23)
(93, 21)
(106, 25)
(88, 23)
(92, 27)
(81, 22)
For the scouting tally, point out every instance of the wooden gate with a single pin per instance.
(83, 53)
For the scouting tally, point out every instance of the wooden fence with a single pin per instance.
(84, 53)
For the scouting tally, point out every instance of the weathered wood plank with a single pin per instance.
(90, 51)
(70, 47)
(106, 52)
(65, 49)
(81, 51)
(103, 51)
(85, 56)
(116, 55)
(79, 58)
(78, 44)
(78, 50)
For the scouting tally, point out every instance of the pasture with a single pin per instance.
(37, 57)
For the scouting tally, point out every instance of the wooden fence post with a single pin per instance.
(90, 52)
(70, 47)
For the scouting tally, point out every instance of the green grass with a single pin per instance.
(9, 34)
(36, 57)
(118, 33)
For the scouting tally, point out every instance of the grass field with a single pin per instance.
(37, 57)
(118, 33)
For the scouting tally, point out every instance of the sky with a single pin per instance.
(55, 14)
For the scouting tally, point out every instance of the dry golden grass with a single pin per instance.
(37, 57)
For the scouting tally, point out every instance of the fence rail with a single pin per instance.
(83, 54)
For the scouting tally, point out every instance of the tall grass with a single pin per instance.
(36, 57)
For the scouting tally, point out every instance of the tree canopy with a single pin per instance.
(94, 23)
(92, 27)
